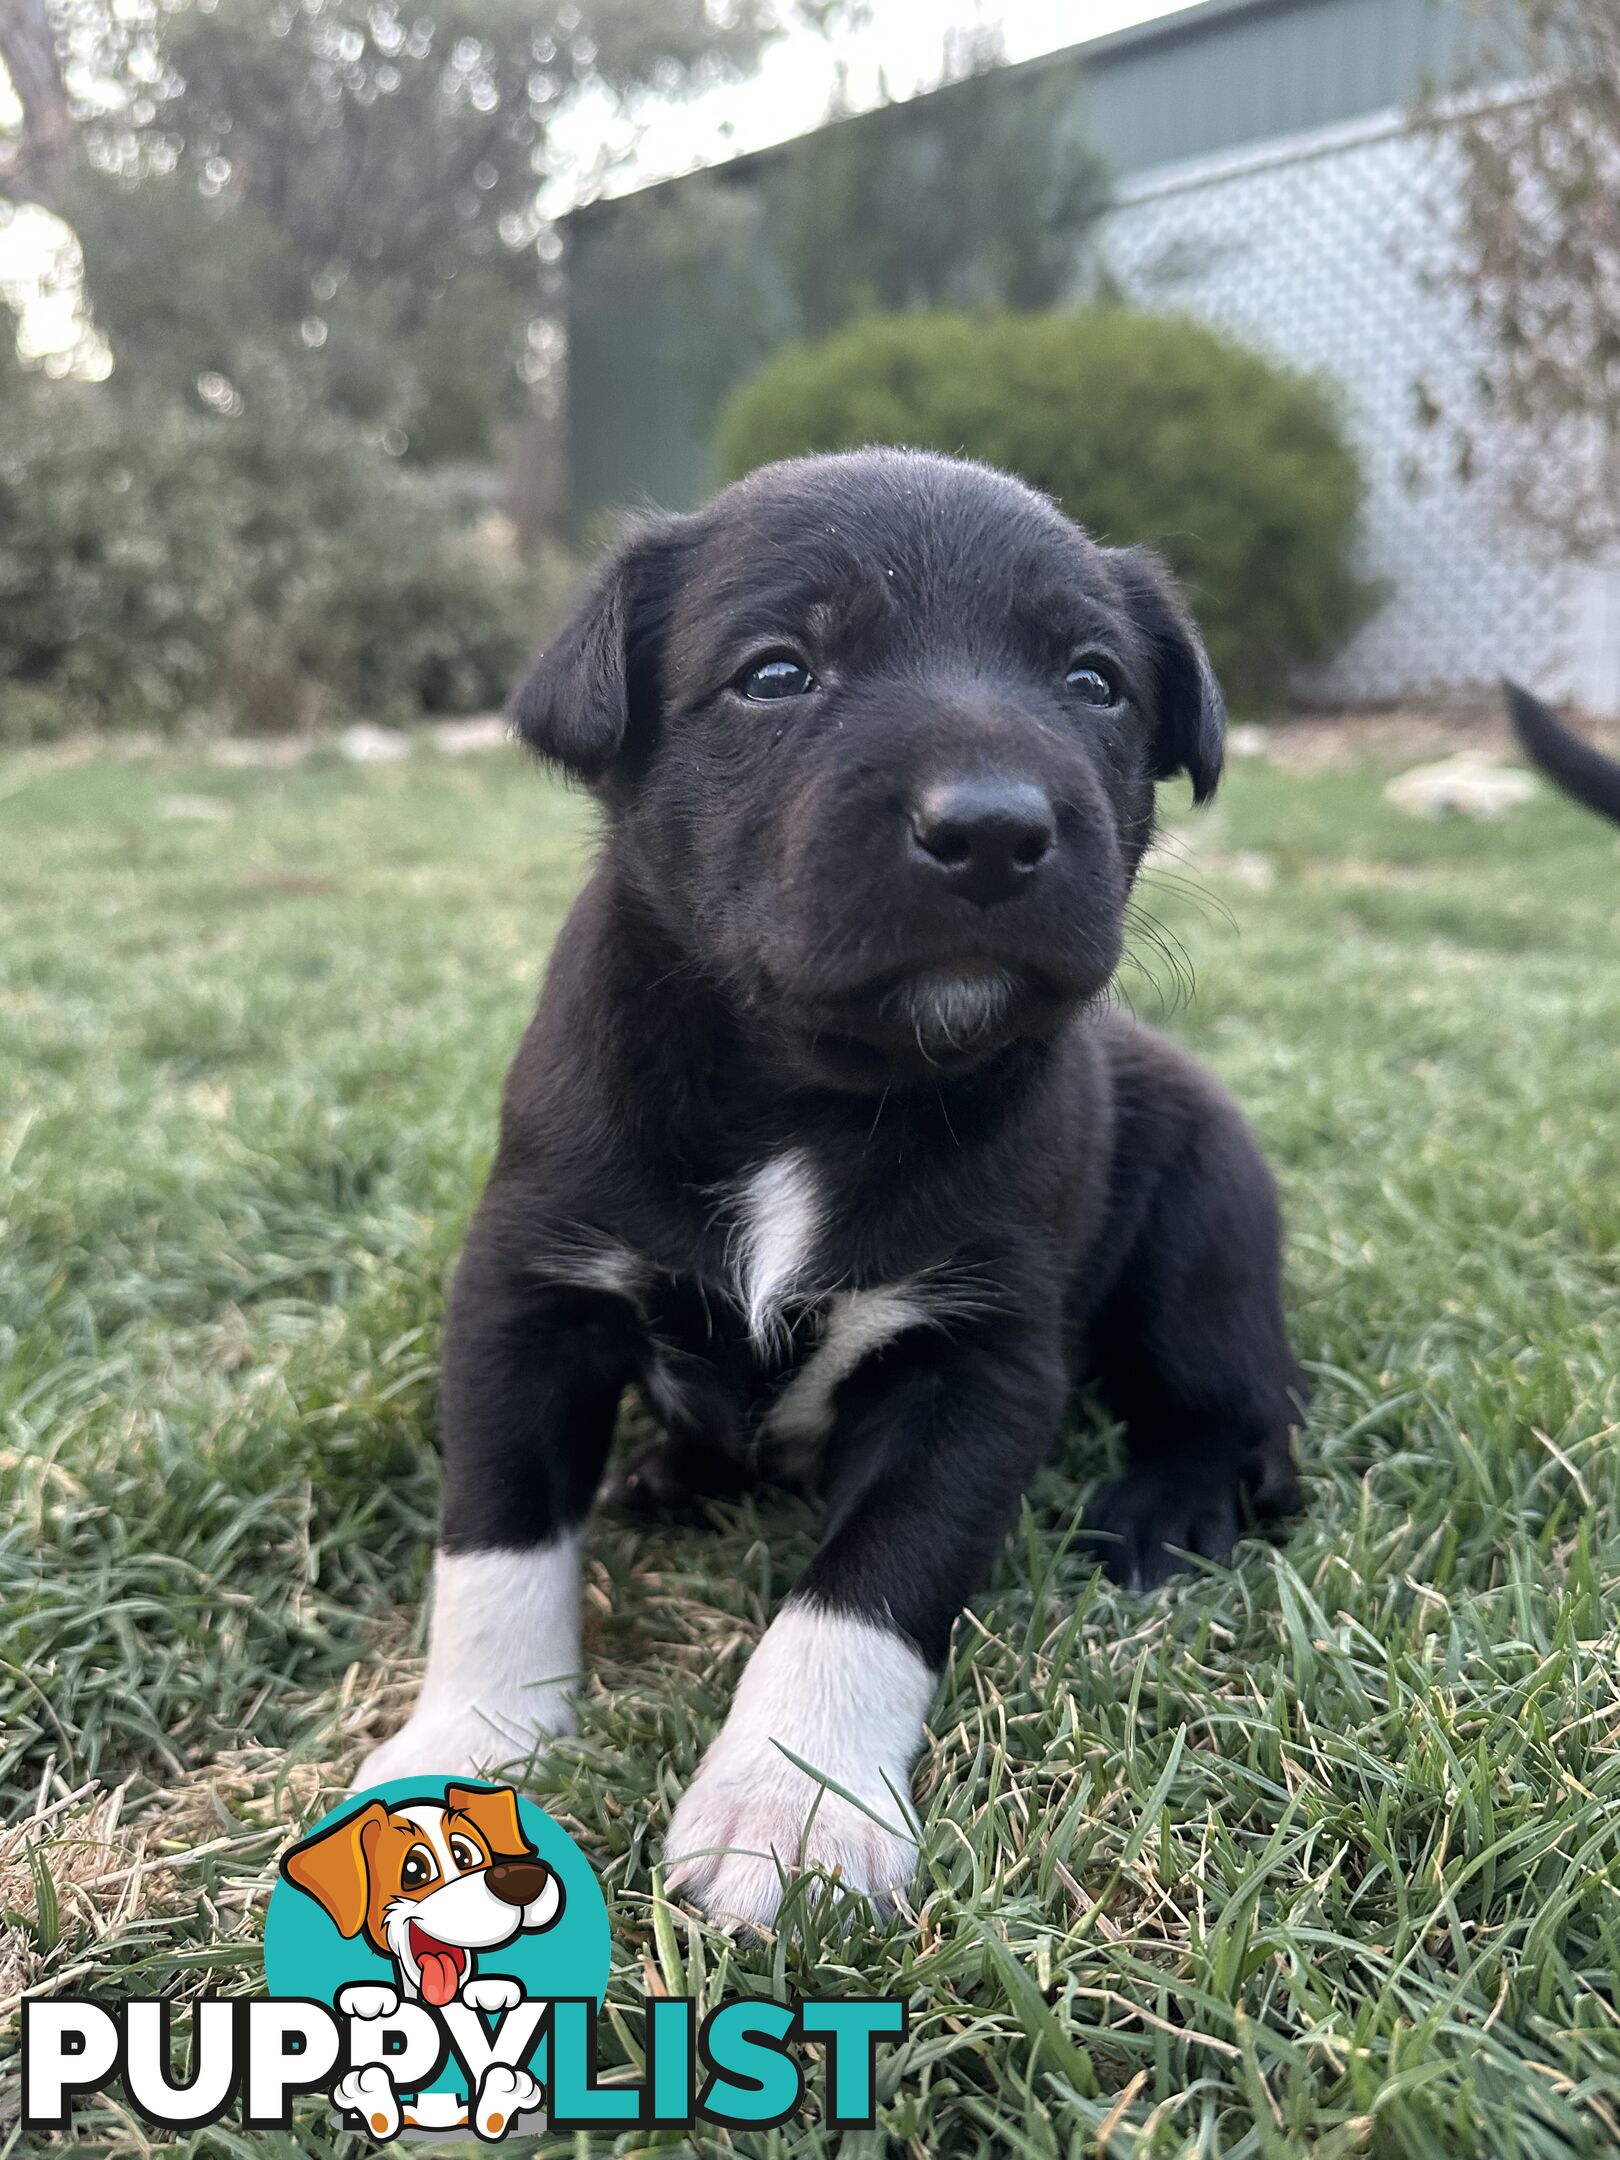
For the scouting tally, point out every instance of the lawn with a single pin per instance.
(1318, 1854)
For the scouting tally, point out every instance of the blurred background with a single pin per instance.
(337, 333)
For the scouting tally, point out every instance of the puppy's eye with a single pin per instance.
(417, 1869)
(1091, 683)
(465, 1854)
(780, 676)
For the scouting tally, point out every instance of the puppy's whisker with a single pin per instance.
(877, 1116)
(1171, 950)
(1193, 890)
(1143, 925)
(944, 1112)
(1170, 994)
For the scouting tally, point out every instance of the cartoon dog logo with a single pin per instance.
(430, 1884)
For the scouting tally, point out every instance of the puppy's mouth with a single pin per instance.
(932, 1021)
(441, 1965)
(951, 1009)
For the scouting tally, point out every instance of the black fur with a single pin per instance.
(1074, 1198)
(1568, 761)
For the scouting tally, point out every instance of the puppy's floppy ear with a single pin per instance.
(334, 1866)
(576, 704)
(493, 1812)
(1189, 710)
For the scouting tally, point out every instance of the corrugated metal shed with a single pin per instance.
(1235, 72)
(1221, 76)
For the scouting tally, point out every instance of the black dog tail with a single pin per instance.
(1566, 758)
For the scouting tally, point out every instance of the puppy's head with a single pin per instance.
(430, 1882)
(878, 735)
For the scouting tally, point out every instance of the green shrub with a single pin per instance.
(1144, 428)
(30, 713)
(258, 568)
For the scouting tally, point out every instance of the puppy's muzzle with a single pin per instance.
(983, 839)
(516, 1882)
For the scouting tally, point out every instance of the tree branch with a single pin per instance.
(28, 53)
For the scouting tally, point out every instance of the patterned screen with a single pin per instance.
(1322, 253)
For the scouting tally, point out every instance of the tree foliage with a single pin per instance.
(314, 236)
(1537, 259)
(350, 177)
(976, 196)
(980, 194)
(1145, 428)
(257, 570)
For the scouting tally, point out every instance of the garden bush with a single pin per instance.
(1144, 427)
(260, 567)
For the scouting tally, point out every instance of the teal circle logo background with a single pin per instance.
(305, 1955)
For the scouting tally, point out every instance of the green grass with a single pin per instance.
(1319, 1854)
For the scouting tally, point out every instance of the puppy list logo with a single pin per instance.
(423, 1912)
(436, 1953)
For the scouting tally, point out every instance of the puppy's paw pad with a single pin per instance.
(492, 1993)
(368, 1999)
(503, 2095)
(369, 2093)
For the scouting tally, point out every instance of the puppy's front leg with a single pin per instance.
(926, 1480)
(532, 1378)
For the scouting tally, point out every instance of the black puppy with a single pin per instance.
(825, 1136)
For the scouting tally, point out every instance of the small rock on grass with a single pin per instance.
(480, 731)
(369, 745)
(1469, 784)
(270, 753)
(1244, 867)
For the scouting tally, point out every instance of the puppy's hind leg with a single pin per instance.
(1190, 1351)
(532, 1377)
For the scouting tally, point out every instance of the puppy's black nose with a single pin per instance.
(985, 837)
(516, 1882)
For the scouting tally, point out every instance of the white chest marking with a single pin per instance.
(857, 1323)
(779, 1217)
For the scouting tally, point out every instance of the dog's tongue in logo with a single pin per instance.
(440, 1965)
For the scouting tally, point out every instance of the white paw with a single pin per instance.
(846, 1696)
(493, 1993)
(745, 1823)
(466, 1742)
(367, 1999)
(503, 2095)
(369, 2093)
